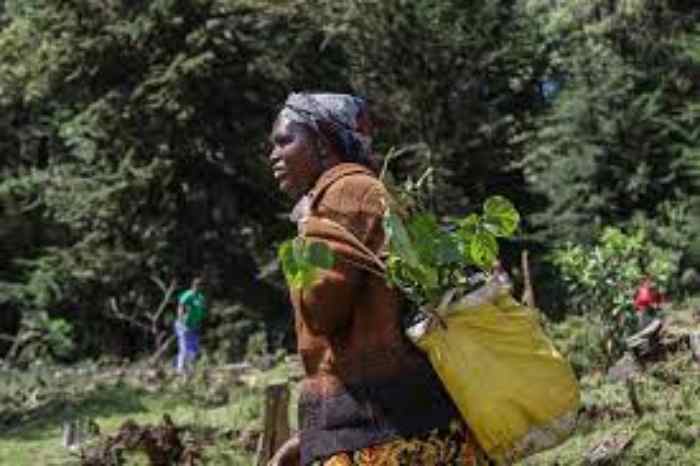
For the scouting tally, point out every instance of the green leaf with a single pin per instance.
(425, 231)
(319, 254)
(447, 251)
(399, 240)
(469, 225)
(285, 254)
(298, 248)
(301, 259)
(500, 216)
(424, 226)
(483, 249)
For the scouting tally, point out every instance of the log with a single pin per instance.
(276, 422)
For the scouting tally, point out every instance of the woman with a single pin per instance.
(368, 397)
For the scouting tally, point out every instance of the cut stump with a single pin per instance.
(276, 419)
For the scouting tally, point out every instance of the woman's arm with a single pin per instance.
(357, 203)
(326, 305)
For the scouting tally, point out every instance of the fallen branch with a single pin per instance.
(18, 341)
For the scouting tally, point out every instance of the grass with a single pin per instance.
(668, 434)
(37, 438)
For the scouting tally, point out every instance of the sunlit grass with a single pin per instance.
(667, 434)
(39, 441)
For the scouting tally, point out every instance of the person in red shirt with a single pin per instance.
(647, 300)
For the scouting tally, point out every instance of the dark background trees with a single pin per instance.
(133, 136)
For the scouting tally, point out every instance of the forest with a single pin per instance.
(134, 138)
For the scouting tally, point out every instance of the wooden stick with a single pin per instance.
(161, 350)
(276, 419)
(634, 400)
(528, 292)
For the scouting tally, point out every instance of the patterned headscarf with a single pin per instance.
(342, 119)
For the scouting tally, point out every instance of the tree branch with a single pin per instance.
(166, 300)
(120, 315)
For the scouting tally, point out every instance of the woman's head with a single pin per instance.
(314, 132)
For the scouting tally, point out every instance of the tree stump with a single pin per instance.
(694, 343)
(276, 422)
(70, 434)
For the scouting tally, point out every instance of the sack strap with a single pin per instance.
(324, 228)
(314, 221)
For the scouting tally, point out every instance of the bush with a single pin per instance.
(602, 278)
(580, 340)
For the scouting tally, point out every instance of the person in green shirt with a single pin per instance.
(191, 310)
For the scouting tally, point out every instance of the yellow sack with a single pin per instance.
(515, 391)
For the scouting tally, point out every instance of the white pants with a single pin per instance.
(187, 347)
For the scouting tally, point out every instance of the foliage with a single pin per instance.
(108, 396)
(604, 277)
(301, 260)
(131, 136)
(581, 342)
(215, 409)
(618, 139)
(451, 80)
(133, 133)
(427, 259)
(664, 435)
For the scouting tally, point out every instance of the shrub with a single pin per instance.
(603, 278)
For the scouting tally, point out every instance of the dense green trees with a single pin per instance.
(132, 136)
(458, 76)
(618, 141)
(135, 131)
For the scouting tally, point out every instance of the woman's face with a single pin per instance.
(294, 158)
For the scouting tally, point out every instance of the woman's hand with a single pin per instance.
(288, 453)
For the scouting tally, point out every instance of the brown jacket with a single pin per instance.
(365, 383)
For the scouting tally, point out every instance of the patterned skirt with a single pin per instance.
(453, 447)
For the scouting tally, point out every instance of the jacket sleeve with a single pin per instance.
(357, 203)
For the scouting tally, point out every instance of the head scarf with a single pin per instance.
(341, 119)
